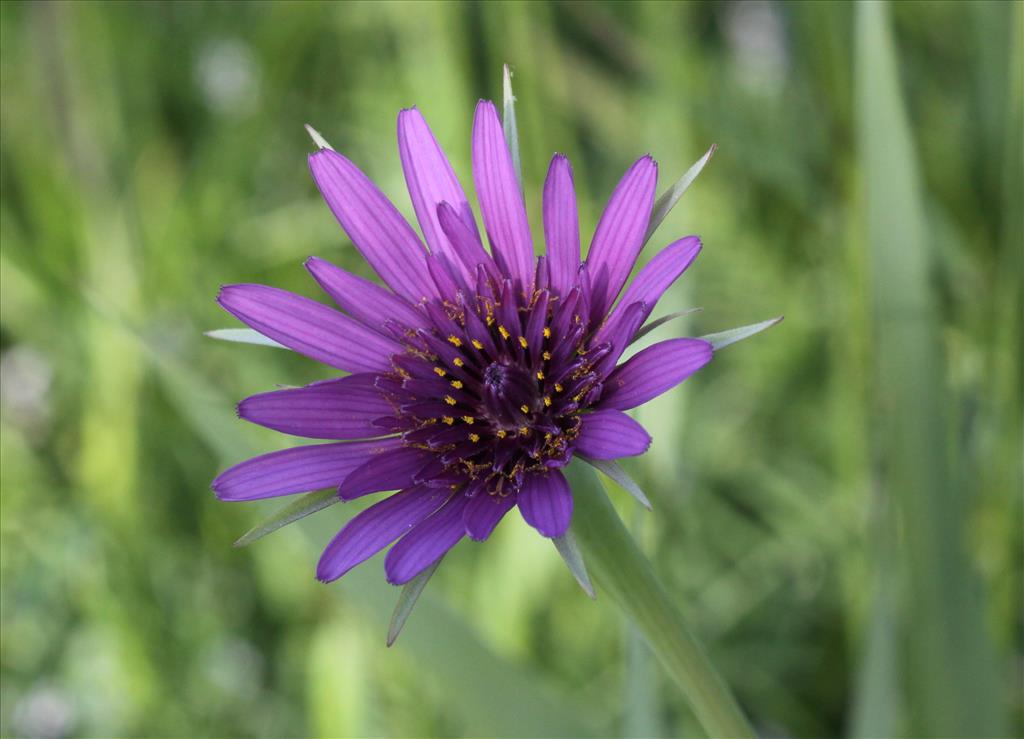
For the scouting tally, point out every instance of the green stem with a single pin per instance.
(625, 574)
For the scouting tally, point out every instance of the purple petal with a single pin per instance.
(375, 226)
(336, 409)
(309, 328)
(501, 201)
(375, 528)
(545, 501)
(619, 332)
(484, 511)
(365, 301)
(653, 371)
(432, 181)
(297, 470)
(426, 543)
(610, 435)
(619, 235)
(657, 276)
(393, 470)
(561, 225)
(465, 242)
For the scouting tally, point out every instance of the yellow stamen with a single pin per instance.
(449, 400)
(455, 340)
(477, 344)
(490, 320)
(547, 401)
(524, 408)
(522, 342)
(439, 372)
(448, 420)
(474, 438)
(547, 356)
(504, 332)
(547, 332)
(540, 374)
(558, 388)
(501, 433)
(457, 384)
(458, 361)
(524, 430)
(468, 419)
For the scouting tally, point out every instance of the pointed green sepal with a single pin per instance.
(407, 599)
(722, 339)
(570, 552)
(668, 201)
(304, 506)
(243, 336)
(613, 470)
(509, 123)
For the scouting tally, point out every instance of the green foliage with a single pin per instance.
(836, 503)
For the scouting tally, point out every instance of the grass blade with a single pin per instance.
(953, 687)
(722, 339)
(304, 506)
(671, 196)
(614, 470)
(622, 570)
(242, 336)
(407, 600)
(569, 549)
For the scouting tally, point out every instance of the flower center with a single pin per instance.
(496, 385)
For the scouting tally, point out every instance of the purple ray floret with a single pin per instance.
(476, 374)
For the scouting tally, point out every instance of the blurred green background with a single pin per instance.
(837, 502)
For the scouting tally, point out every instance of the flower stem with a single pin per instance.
(624, 573)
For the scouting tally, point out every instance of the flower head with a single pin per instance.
(475, 376)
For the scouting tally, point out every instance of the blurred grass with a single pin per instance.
(152, 151)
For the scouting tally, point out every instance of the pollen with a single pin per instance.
(454, 340)
(522, 342)
(476, 344)
(540, 374)
(524, 408)
(501, 433)
(449, 400)
(504, 332)
(547, 332)
(547, 356)
(547, 401)
(448, 420)
(490, 320)
(474, 438)
(457, 384)
(468, 419)
(458, 361)
(439, 372)
(524, 430)
(558, 388)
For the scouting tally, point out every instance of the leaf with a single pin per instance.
(614, 470)
(626, 575)
(664, 319)
(509, 123)
(407, 600)
(243, 336)
(300, 508)
(570, 551)
(671, 196)
(722, 339)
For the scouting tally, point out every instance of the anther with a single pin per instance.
(522, 342)
(457, 384)
(504, 332)
(468, 419)
(449, 400)
(458, 361)
(547, 332)
(439, 372)
(454, 340)
(448, 420)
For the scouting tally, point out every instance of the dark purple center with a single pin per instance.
(495, 386)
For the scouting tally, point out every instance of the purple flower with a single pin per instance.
(474, 376)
